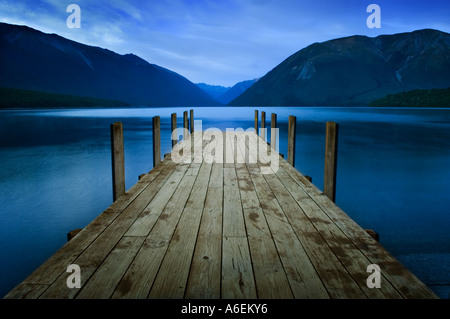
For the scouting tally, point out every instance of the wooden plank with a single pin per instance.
(350, 256)
(56, 265)
(292, 132)
(144, 223)
(237, 273)
(270, 277)
(233, 218)
(303, 278)
(139, 278)
(26, 290)
(172, 277)
(118, 160)
(104, 280)
(97, 251)
(205, 275)
(331, 144)
(336, 278)
(401, 278)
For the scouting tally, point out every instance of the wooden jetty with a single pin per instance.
(223, 216)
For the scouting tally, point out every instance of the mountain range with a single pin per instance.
(225, 94)
(350, 71)
(32, 60)
(354, 71)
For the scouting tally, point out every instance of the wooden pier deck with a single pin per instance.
(198, 228)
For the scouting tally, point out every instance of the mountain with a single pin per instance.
(215, 91)
(32, 60)
(224, 94)
(235, 91)
(354, 71)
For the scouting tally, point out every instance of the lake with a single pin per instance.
(393, 174)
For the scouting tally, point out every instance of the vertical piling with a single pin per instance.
(173, 127)
(192, 121)
(263, 125)
(118, 160)
(291, 139)
(156, 140)
(329, 184)
(185, 124)
(256, 122)
(273, 131)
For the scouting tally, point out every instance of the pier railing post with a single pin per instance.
(173, 127)
(192, 121)
(156, 140)
(118, 160)
(291, 139)
(256, 122)
(273, 131)
(263, 125)
(185, 124)
(331, 143)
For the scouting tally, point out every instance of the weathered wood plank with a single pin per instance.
(205, 274)
(222, 230)
(350, 256)
(336, 278)
(237, 273)
(97, 251)
(172, 277)
(303, 278)
(403, 280)
(139, 278)
(104, 280)
(270, 277)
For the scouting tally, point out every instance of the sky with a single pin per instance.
(221, 42)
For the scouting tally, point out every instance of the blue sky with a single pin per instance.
(221, 42)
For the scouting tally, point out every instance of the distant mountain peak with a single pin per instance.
(33, 60)
(355, 70)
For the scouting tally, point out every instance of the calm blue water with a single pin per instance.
(393, 175)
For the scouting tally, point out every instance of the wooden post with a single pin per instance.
(273, 132)
(156, 140)
(256, 122)
(173, 127)
(192, 121)
(118, 160)
(185, 124)
(291, 139)
(263, 125)
(73, 233)
(329, 184)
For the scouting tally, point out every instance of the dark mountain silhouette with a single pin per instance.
(354, 71)
(225, 94)
(215, 91)
(235, 91)
(32, 60)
